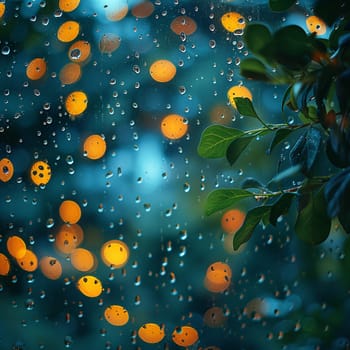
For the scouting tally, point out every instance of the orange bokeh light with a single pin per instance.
(151, 333)
(184, 336)
(68, 31)
(90, 286)
(115, 253)
(83, 260)
(76, 103)
(29, 262)
(116, 315)
(174, 126)
(162, 71)
(50, 267)
(6, 169)
(36, 69)
(232, 220)
(94, 147)
(16, 247)
(40, 173)
(183, 24)
(4, 265)
(233, 22)
(70, 212)
(70, 73)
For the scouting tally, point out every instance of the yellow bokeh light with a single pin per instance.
(238, 91)
(40, 173)
(68, 5)
(50, 267)
(183, 24)
(68, 238)
(29, 262)
(151, 333)
(174, 126)
(116, 315)
(70, 212)
(94, 147)
(232, 220)
(76, 103)
(36, 69)
(233, 22)
(68, 31)
(6, 169)
(70, 73)
(16, 247)
(90, 286)
(162, 71)
(4, 265)
(83, 260)
(79, 51)
(316, 25)
(115, 253)
(184, 336)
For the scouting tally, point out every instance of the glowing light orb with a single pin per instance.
(115, 253)
(151, 333)
(6, 169)
(29, 262)
(76, 103)
(232, 220)
(4, 265)
(68, 31)
(83, 260)
(184, 336)
(143, 9)
(162, 71)
(174, 126)
(36, 69)
(79, 51)
(183, 24)
(70, 73)
(109, 43)
(218, 277)
(90, 286)
(94, 147)
(233, 22)
(70, 212)
(68, 238)
(16, 247)
(68, 5)
(316, 25)
(50, 267)
(238, 91)
(40, 173)
(116, 315)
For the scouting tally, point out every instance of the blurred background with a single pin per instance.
(148, 190)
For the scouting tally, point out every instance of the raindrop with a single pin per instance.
(187, 187)
(5, 50)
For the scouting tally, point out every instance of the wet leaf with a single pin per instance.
(250, 182)
(236, 148)
(253, 68)
(279, 136)
(245, 107)
(281, 207)
(313, 223)
(256, 36)
(215, 139)
(305, 149)
(281, 5)
(290, 47)
(253, 218)
(224, 198)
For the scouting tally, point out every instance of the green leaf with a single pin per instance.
(254, 216)
(281, 207)
(252, 68)
(313, 224)
(245, 107)
(279, 136)
(236, 148)
(290, 47)
(281, 5)
(215, 139)
(256, 36)
(224, 198)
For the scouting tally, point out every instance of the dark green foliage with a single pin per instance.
(316, 74)
(305, 150)
(281, 5)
